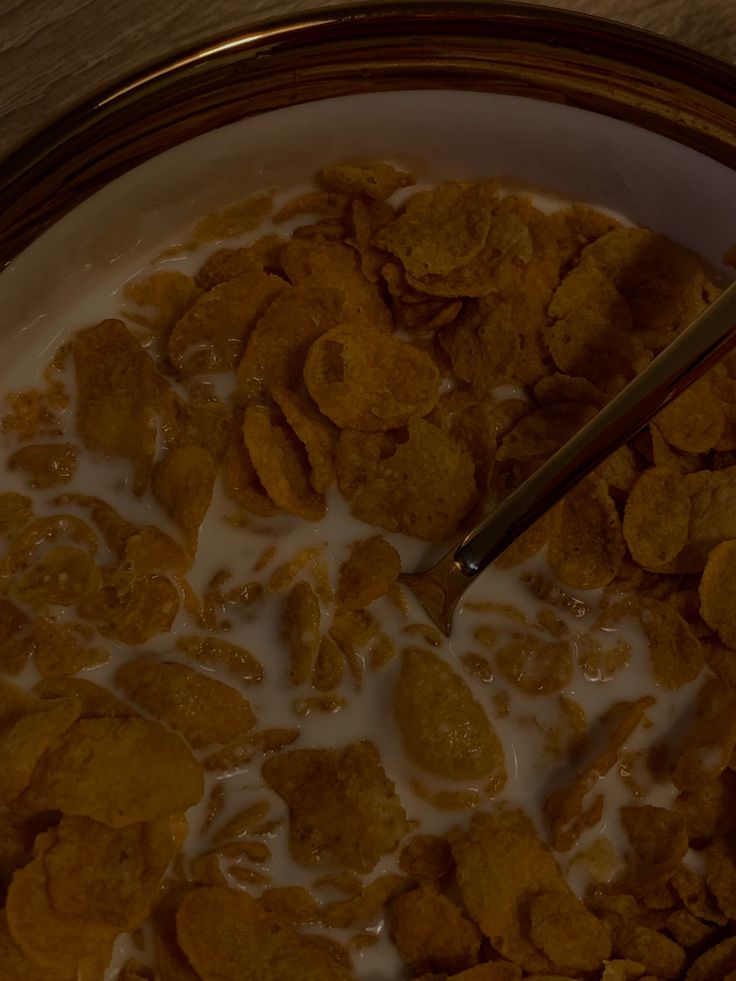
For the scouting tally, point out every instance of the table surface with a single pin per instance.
(55, 53)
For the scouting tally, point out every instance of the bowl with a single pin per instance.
(570, 106)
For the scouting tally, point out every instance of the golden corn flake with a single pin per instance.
(16, 510)
(657, 518)
(110, 875)
(423, 490)
(571, 936)
(227, 936)
(315, 434)
(182, 484)
(131, 609)
(234, 219)
(160, 299)
(367, 573)
(676, 655)
(694, 421)
(659, 839)
(586, 547)
(300, 631)
(439, 230)
(709, 739)
(712, 515)
(46, 464)
(71, 945)
(240, 480)
(29, 726)
(366, 906)
(538, 435)
(432, 934)
(444, 728)
(342, 807)
(375, 180)
(294, 902)
(118, 771)
(318, 263)
(716, 964)
(716, 592)
(329, 665)
(281, 465)
(365, 380)
(97, 702)
(63, 648)
(633, 941)
(150, 551)
(204, 710)
(215, 652)
(211, 335)
(62, 576)
(501, 866)
(115, 395)
(16, 965)
(279, 343)
(227, 264)
(16, 642)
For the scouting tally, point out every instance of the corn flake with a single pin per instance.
(444, 728)
(657, 518)
(369, 381)
(376, 180)
(586, 547)
(118, 771)
(432, 934)
(423, 490)
(342, 808)
(227, 936)
(182, 483)
(281, 465)
(709, 739)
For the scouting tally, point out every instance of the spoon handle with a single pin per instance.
(687, 357)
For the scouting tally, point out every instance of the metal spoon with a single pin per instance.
(695, 350)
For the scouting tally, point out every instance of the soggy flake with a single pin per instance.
(203, 709)
(571, 936)
(300, 621)
(342, 807)
(659, 841)
(16, 511)
(444, 728)
(131, 609)
(97, 702)
(362, 379)
(46, 464)
(240, 480)
(213, 652)
(115, 395)
(64, 648)
(226, 264)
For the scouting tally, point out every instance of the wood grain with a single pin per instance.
(55, 53)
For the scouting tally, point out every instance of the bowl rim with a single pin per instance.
(639, 54)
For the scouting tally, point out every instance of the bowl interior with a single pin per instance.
(69, 275)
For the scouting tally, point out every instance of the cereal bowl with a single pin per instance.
(238, 748)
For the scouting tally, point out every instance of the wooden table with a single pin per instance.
(54, 53)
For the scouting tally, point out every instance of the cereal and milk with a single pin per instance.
(231, 745)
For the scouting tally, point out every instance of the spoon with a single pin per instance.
(695, 350)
